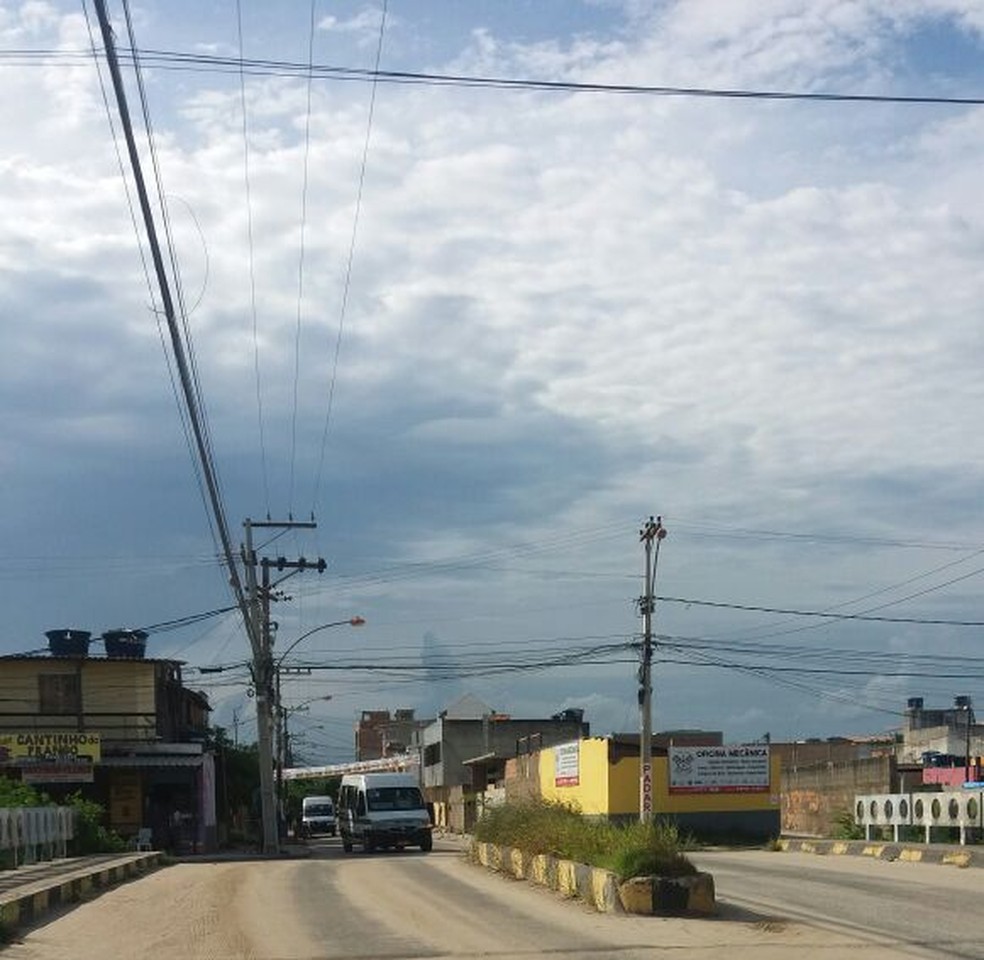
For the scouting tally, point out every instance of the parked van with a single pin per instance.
(383, 810)
(317, 816)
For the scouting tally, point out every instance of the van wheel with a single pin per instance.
(347, 845)
(427, 844)
(369, 845)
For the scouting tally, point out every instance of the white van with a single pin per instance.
(383, 810)
(317, 816)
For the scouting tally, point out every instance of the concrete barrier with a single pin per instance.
(906, 852)
(601, 889)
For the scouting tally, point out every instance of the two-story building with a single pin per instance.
(122, 729)
(467, 747)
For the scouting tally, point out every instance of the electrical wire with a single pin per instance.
(347, 284)
(252, 265)
(300, 259)
(785, 611)
(176, 280)
(198, 62)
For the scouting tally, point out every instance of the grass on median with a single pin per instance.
(559, 829)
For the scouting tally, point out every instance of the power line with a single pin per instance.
(252, 265)
(347, 284)
(197, 62)
(195, 415)
(300, 260)
(689, 601)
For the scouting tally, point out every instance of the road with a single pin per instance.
(924, 909)
(414, 905)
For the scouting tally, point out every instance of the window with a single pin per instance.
(395, 798)
(60, 693)
(432, 754)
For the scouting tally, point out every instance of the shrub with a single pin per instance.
(845, 827)
(559, 829)
(14, 793)
(91, 834)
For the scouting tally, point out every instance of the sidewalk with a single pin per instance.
(28, 892)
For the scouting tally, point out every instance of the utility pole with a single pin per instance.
(264, 675)
(652, 531)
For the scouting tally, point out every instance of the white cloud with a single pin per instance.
(564, 311)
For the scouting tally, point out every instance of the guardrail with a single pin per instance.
(963, 810)
(36, 833)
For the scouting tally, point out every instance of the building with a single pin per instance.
(940, 737)
(379, 734)
(707, 788)
(467, 747)
(123, 730)
(935, 749)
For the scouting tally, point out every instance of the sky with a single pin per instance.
(482, 334)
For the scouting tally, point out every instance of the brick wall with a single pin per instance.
(813, 797)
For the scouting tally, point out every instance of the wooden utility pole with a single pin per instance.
(652, 531)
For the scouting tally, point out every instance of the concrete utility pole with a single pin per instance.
(652, 531)
(264, 679)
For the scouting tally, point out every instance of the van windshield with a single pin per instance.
(394, 798)
(318, 810)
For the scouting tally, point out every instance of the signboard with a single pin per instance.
(742, 768)
(52, 757)
(567, 764)
(57, 773)
(18, 747)
(646, 786)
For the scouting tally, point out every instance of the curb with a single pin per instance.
(882, 850)
(599, 888)
(32, 901)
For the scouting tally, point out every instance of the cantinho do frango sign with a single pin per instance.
(743, 768)
(51, 757)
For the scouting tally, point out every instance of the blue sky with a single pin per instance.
(565, 312)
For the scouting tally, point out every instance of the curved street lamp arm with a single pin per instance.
(351, 622)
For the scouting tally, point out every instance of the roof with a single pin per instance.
(486, 758)
(152, 761)
(45, 656)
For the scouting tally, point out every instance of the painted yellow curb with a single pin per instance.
(956, 859)
(539, 870)
(873, 851)
(911, 856)
(566, 878)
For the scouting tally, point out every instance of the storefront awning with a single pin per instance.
(152, 761)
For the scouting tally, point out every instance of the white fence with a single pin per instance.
(36, 833)
(962, 809)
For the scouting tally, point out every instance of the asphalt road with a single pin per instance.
(388, 906)
(920, 909)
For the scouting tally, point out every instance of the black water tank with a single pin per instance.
(68, 643)
(125, 644)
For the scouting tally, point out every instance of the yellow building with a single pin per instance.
(125, 731)
(727, 790)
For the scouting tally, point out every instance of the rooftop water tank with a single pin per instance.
(68, 642)
(125, 644)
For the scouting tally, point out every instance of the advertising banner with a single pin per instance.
(742, 768)
(52, 757)
(567, 765)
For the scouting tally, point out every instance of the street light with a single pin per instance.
(351, 622)
(280, 713)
